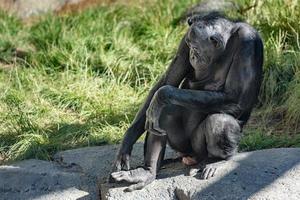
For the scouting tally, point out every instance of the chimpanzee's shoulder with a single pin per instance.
(248, 32)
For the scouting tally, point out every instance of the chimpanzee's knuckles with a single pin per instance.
(127, 162)
(123, 160)
(118, 165)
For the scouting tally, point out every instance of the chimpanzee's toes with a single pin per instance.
(208, 172)
(193, 171)
(137, 186)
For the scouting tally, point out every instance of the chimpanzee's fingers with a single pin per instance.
(137, 186)
(123, 165)
(203, 173)
(118, 165)
(127, 163)
(122, 176)
(208, 173)
(212, 172)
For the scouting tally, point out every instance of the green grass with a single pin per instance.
(85, 75)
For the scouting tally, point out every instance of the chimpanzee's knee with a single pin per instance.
(163, 93)
(223, 134)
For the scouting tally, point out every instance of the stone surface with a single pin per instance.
(267, 174)
(81, 173)
(29, 8)
(97, 161)
(36, 179)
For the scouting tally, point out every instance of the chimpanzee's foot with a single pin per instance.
(189, 161)
(207, 168)
(140, 176)
(204, 172)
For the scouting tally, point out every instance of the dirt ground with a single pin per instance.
(67, 7)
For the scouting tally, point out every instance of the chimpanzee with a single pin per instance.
(202, 101)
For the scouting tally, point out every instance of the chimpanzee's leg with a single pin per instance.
(172, 121)
(221, 134)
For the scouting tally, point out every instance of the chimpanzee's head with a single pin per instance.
(207, 37)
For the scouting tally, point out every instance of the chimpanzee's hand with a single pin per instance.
(122, 160)
(140, 176)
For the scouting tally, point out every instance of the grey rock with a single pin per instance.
(28, 8)
(42, 180)
(266, 174)
(80, 173)
(98, 161)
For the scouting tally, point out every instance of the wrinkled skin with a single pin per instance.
(201, 103)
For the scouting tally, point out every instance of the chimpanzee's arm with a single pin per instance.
(173, 76)
(204, 101)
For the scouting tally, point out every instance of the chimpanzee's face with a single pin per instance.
(206, 40)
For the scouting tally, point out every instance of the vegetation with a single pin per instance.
(78, 79)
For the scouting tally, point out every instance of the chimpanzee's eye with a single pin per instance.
(190, 21)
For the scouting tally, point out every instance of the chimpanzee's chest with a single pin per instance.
(192, 118)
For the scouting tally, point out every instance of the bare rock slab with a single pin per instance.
(98, 161)
(42, 180)
(80, 173)
(266, 174)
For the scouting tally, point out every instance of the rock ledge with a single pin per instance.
(81, 173)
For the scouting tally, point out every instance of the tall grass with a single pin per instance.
(84, 75)
(277, 23)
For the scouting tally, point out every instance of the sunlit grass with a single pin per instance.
(84, 75)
